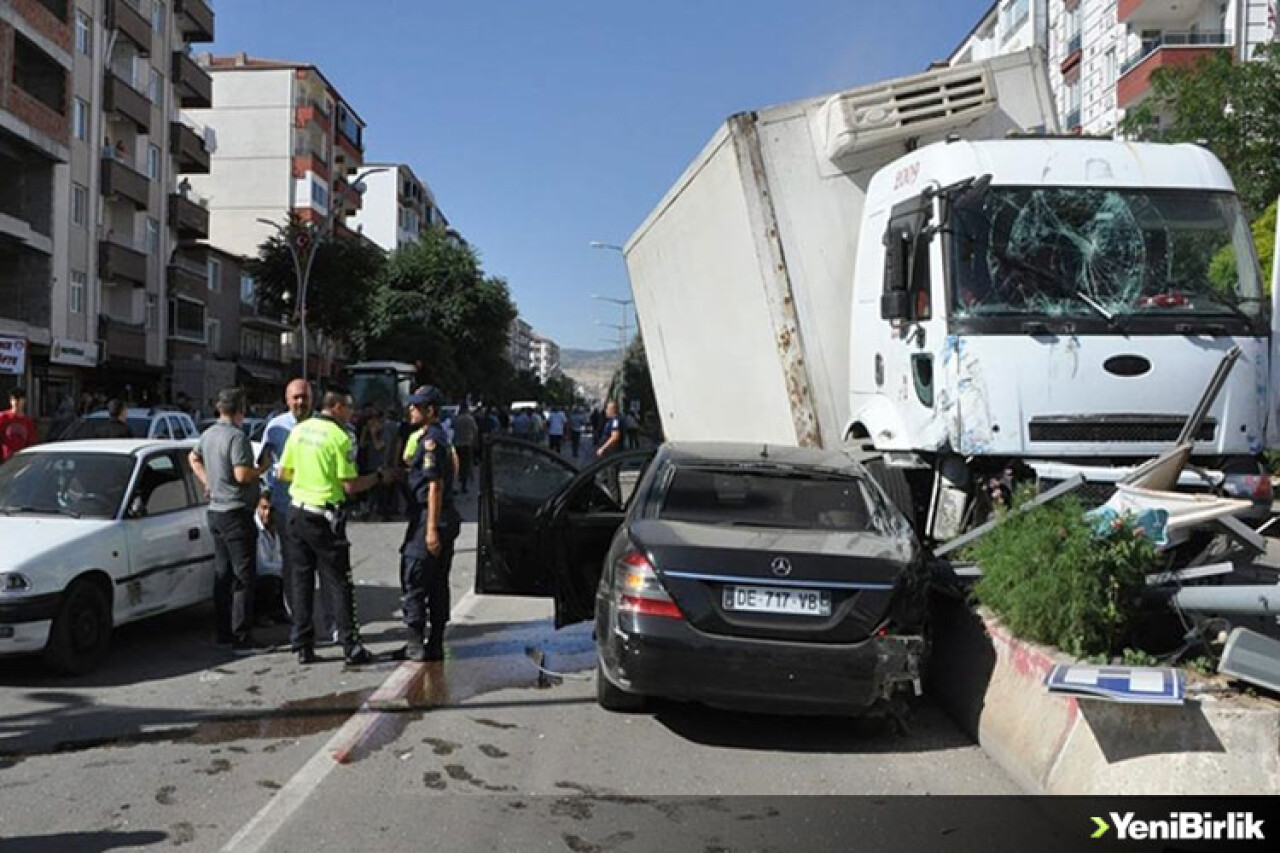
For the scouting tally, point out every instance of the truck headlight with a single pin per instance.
(14, 582)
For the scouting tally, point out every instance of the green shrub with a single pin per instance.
(1051, 580)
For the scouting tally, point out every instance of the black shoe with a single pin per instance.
(433, 651)
(248, 645)
(306, 655)
(358, 656)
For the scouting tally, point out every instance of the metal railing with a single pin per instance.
(1072, 119)
(1177, 39)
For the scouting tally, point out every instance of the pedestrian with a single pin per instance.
(597, 425)
(297, 399)
(521, 425)
(377, 442)
(631, 429)
(223, 463)
(269, 598)
(576, 420)
(537, 427)
(17, 430)
(610, 439)
(319, 464)
(116, 424)
(465, 437)
(434, 523)
(556, 422)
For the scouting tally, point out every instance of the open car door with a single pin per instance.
(580, 523)
(517, 479)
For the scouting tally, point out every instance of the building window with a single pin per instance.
(186, 320)
(1109, 67)
(248, 289)
(213, 334)
(76, 299)
(153, 161)
(153, 312)
(349, 126)
(155, 86)
(319, 195)
(250, 344)
(153, 236)
(215, 275)
(84, 34)
(157, 16)
(80, 120)
(79, 204)
(39, 75)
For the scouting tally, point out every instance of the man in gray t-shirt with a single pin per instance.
(223, 462)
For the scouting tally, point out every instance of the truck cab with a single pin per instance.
(1053, 301)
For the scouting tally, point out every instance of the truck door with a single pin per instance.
(904, 367)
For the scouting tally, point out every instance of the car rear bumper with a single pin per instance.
(664, 657)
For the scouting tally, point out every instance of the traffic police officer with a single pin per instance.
(434, 524)
(319, 463)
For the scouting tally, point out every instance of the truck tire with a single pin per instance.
(613, 699)
(894, 483)
(81, 632)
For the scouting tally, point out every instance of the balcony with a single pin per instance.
(1169, 50)
(310, 161)
(192, 83)
(123, 340)
(189, 270)
(118, 262)
(1072, 58)
(189, 219)
(308, 112)
(195, 19)
(189, 149)
(1158, 14)
(348, 198)
(120, 180)
(123, 17)
(125, 101)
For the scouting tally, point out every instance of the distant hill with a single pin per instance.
(591, 369)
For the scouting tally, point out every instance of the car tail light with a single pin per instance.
(638, 590)
(1255, 487)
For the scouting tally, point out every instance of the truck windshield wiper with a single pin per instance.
(1232, 309)
(39, 510)
(1109, 316)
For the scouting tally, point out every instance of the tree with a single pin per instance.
(1233, 108)
(635, 380)
(340, 287)
(433, 303)
(560, 391)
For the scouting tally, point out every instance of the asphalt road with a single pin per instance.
(177, 744)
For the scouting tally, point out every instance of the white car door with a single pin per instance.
(170, 550)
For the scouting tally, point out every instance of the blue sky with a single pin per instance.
(542, 126)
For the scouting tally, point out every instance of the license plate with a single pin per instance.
(791, 602)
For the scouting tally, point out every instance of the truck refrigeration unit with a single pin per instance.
(922, 269)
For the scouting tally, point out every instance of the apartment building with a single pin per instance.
(1101, 53)
(35, 72)
(285, 141)
(397, 206)
(520, 344)
(544, 358)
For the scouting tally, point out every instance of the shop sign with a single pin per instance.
(13, 356)
(74, 353)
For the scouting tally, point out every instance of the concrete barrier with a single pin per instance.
(992, 684)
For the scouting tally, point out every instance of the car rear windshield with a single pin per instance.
(80, 485)
(792, 499)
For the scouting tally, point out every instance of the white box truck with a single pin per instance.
(923, 269)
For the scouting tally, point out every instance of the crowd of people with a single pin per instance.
(278, 515)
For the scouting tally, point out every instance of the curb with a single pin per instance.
(991, 684)
(394, 695)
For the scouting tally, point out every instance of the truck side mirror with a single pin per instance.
(895, 305)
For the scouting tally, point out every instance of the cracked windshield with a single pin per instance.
(1067, 251)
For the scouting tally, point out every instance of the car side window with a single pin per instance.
(160, 428)
(184, 427)
(525, 474)
(198, 496)
(161, 488)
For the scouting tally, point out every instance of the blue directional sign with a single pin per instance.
(1141, 685)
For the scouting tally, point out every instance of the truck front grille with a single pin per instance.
(1116, 429)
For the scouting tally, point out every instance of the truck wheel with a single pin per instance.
(613, 699)
(81, 633)
(894, 483)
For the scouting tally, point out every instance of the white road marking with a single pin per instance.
(262, 827)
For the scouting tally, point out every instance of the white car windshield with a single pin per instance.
(80, 485)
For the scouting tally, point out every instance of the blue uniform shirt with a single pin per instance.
(611, 425)
(432, 462)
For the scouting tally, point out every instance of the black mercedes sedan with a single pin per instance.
(766, 578)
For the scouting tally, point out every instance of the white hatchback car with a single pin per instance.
(97, 534)
(152, 423)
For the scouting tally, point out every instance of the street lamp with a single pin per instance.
(303, 242)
